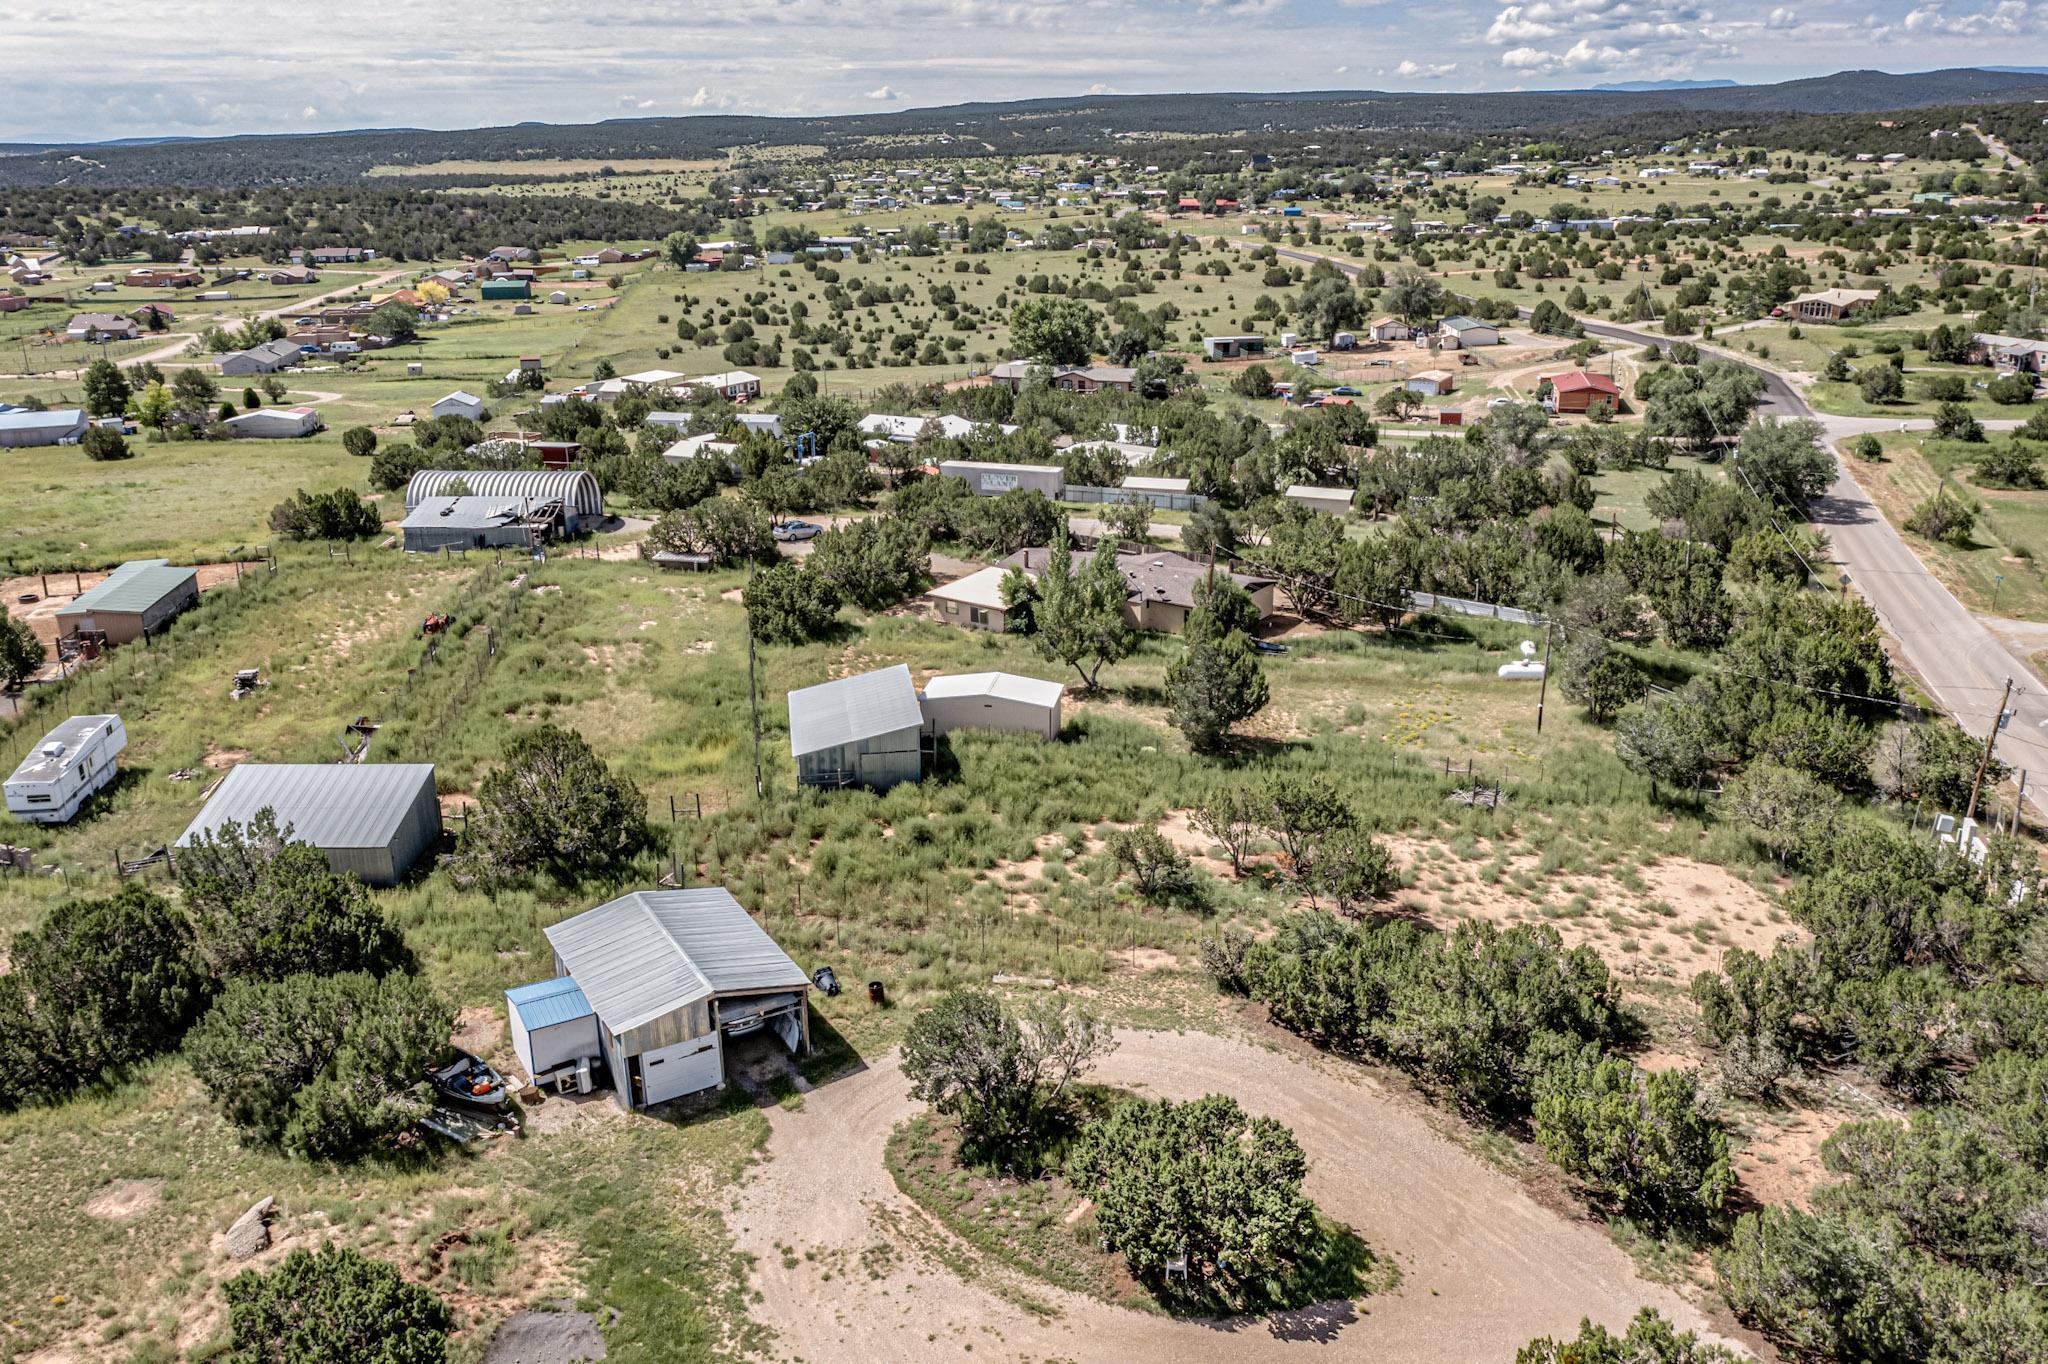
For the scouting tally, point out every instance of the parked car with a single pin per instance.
(1500, 402)
(1267, 646)
(797, 530)
(1345, 391)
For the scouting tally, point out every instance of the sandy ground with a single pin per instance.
(55, 591)
(1485, 1268)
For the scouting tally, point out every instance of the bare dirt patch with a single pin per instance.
(125, 1199)
(560, 1335)
(1141, 960)
(479, 1030)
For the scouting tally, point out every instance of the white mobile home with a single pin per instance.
(74, 760)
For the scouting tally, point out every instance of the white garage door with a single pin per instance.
(682, 1069)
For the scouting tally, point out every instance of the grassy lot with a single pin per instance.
(2011, 530)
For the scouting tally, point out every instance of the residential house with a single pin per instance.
(1578, 391)
(975, 601)
(1467, 332)
(1014, 374)
(1832, 305)
(1160, 584)
(101, 327)
(1388, 329)
(734, 385)
(1232, 347)
(2009, 352)
(288, 274)
(267, 358)
(1431, 382)
(162, 277)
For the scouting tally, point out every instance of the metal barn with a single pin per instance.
(373, 820)
(1005, 701)
(864, 730)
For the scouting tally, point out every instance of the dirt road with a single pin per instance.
(1484, 1267)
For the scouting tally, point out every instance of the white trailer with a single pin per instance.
(74, 760)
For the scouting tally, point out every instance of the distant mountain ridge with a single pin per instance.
(1036, 127)
(1637, 86)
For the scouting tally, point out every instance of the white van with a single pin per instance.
(74, 760)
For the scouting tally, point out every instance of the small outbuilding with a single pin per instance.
(136, 600)
(553, 1027)
(1232, 347)
(1003, 701)
(461, 404)
(1432, 382)
(267, 358)
(1467, 332)
(373, 820)
(864, 730)
(456, 523)
(669, 975)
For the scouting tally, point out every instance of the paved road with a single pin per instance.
(1998, 149)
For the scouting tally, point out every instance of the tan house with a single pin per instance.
(1832, 305)
(1161, 585)
(975, 601)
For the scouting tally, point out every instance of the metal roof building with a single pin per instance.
(582, 500)
(861, 730)
(439, 523)
(1028, 705)
(668, 974)
(552, 1026)
(137, 599)
(65, 426)
(371, 819)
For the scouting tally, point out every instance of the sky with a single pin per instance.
(135, 68)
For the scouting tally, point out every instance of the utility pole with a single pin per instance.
(754, 696)
(1984, 763)
(1543, 682)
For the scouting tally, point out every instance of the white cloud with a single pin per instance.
(884, 93)
(1581, 57)
(1416, 70)
(2005, 18)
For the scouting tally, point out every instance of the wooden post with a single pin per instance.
(1543, 682)
(754, 696)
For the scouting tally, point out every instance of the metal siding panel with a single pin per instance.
(849, 709)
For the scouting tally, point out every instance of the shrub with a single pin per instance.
(2011, 390)
(1953, 421)
(264, 907)
(1001, 1074)
(359, 441)
(333, 1307)
(340, 514)
(787, 603)
(1161, 870)
(103, 444)
(1200, 1180)
(554, 804)
(2011, 465)
(1640, 1140)
(1867, 448)
(101, 984)
(1943, 517)
(1880, 384)
(1649, 1340)
(323, 1067)
(21, 652)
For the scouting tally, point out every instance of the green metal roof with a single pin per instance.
(133, 588)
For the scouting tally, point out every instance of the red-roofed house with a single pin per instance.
(1581, 392)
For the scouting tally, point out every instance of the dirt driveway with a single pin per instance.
(1484, 1267)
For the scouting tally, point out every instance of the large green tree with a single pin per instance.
(553, 803)
(1054, 330)
(1079, 616)
(1000, 1072)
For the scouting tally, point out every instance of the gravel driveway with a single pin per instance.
(1484, 1267)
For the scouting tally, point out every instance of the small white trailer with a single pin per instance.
(74, 760)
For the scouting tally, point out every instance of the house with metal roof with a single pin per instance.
(136, 600)
(1466, 332)
(373, 820)
(1335, 501)
(1006, 701)
(669, 976)
(580, 499)
(460, 403)
(21, 428)
(975, 601)
(864, 730)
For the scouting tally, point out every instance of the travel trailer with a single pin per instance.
(74, 760)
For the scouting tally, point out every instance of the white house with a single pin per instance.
(461, 404)
(1467, 332)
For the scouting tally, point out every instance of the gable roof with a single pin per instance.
(1004, 686)
(546, 1003)
(651, 952)
(1571, 381)
(135, 586)
(849, 709)
(329, 805)
(59, 419)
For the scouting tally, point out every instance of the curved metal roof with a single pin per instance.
(576, 489)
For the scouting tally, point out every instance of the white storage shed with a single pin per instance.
(553, 1027)
(1005, 701)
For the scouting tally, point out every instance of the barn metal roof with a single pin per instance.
(1004, 686)
(651, 952)
(850, 709)
(329, 805)
(546, 1003)
(135, 586)
(575, 488)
